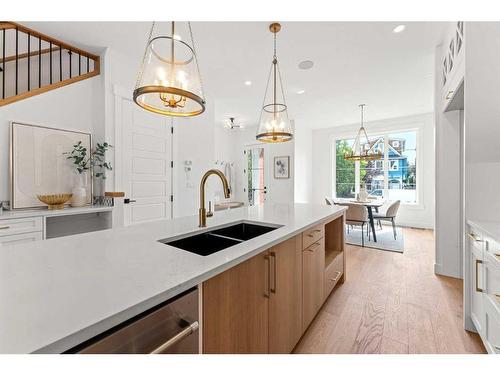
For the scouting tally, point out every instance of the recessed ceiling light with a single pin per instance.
(248, 83)
(300, 92)
(398, 29)
(306, 64)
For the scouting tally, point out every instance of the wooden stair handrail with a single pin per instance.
(32, 53)
(36, 34)
(57, 45)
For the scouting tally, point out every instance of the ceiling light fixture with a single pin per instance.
(274, 125)
(306, 64)
(169, 80)
(233, 125)
(248, 83)
(398, 29)
(362, 149)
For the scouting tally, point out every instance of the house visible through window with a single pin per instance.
(392, 178)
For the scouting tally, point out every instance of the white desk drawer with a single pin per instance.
(15, 239)
(17, 226)
(492, 326)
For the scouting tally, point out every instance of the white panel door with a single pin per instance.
(146, 157)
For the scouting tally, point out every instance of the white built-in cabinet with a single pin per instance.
(482, 287)
(452, 64)
(19, 227)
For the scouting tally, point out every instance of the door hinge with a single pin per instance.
(171, 198)
(172, 129)
(171, 164)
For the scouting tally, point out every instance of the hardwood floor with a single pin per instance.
(392, 303)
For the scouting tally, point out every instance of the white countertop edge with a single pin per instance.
(19, 214)
(490, 228)
(107, 323)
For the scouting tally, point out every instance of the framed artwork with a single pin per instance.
(38, 166)
(282, 167)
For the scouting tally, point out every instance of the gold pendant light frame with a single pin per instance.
(171, 99)
(271, 131)
(359, 151)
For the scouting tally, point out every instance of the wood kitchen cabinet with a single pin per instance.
(236, 309)
(285, 303)
(265, 304)
(313, 268)
(256, 306)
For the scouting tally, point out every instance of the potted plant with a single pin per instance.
(95, 161)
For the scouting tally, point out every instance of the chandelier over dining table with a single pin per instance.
(362, 148)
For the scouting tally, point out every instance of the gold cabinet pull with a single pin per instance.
(334, 279)
(273, 288)
(478, 262)
(267, 292)
(474, 237)
(313, 231)
(314, 247)
(4, 226)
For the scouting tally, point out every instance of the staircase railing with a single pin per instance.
(32, 63)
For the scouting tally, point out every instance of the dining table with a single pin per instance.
(370, 205)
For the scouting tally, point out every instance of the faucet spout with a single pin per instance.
(202, 211)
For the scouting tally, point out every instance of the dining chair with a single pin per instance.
(329, 202)
(357, 214)
(389, 215)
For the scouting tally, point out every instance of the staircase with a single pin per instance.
(32, 63)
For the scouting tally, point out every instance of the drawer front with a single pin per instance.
(476, 241)
(333, 273)
(312, 235)
(492, 326)
(16, 239)
(492, 282)
(17, 226)
(492, 247)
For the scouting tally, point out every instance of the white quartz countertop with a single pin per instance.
(58, 293)
(490, 228)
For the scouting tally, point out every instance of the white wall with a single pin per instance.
(482, 119)
(303, 182)
(71, 107)
(419, 215)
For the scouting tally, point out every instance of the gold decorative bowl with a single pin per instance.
(55, 201)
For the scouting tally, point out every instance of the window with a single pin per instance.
(393, 178)
(345, 170)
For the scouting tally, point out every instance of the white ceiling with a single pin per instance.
(354, 62)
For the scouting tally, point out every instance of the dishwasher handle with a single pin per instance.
(190, 329)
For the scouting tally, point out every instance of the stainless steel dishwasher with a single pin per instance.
(171, 327)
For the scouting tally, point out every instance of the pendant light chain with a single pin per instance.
(141, 69)
(202, 90)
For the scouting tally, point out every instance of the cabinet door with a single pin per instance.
(285, 304)
(313, 269)
(477, 309)
(235, 308)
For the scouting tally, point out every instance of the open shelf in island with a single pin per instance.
(334, 254)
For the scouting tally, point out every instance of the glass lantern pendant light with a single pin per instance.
(169, 81)
(362, 149)
(274, 125)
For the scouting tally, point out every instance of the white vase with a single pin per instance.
(363, 195)
(79, 198)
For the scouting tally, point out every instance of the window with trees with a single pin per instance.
(392, 178)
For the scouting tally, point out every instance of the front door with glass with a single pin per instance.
(256, 172)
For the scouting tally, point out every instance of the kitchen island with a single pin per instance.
(61, 292)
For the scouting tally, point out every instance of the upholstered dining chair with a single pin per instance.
(356, 214)
(389, 215)
(329, 201)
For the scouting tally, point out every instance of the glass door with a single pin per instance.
(256, 172)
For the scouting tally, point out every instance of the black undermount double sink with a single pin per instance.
(210, 242)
